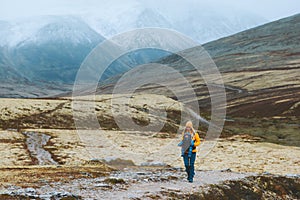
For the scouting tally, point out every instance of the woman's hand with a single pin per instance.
(180, 144)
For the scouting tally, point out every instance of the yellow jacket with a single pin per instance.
(196, 139)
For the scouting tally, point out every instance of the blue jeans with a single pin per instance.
(189, 163)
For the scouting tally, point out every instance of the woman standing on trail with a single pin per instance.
(190, 140)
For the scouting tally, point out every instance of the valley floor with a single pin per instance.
(129, 164)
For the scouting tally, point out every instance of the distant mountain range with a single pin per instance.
(51, 48)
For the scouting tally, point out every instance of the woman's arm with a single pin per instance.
(197, 140)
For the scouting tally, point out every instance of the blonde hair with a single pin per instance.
(189, 124)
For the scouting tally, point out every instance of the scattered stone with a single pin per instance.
(45, 196)
(103, 185)
(86, 174)
(226, 170)
(117, 162)
(154, 164)
(61, 195)
(94, 161)
(266, 173)
(30, 191)
(293, 175)
(141, 173)
(114, 181)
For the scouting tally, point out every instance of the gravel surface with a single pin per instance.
(126, 184)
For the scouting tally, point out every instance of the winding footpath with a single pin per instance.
(35, 143)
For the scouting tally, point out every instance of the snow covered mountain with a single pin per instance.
(110, 23)
(208, 25)
(49, 48)
(201, 23)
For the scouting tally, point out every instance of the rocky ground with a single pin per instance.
(147, 183)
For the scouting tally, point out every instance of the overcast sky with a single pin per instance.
(269, 9)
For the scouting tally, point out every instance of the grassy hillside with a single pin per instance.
(260, 69)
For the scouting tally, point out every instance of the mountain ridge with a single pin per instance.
(252, 41)
(261, 82)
